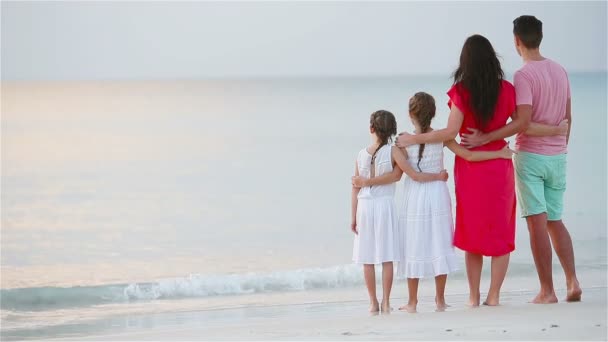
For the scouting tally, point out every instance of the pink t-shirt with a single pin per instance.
(544, 85)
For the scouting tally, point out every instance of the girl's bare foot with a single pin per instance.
(543, 298)
(574, 293)
(409, 307)
(441, 308)
(375, 307)
(441, 305)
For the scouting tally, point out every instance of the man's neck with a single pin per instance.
(531, 55)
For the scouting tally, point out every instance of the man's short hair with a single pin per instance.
(529, 30)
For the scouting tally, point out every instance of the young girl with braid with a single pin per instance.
(425, 220)
(374, 216)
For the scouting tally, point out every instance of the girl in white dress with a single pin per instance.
(425, 218)
(374, 218)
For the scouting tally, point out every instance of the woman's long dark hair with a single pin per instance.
(480, 73)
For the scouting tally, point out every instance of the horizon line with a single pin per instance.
(264, 77)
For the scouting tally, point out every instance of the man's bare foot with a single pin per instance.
(375, 307)
(574, 293)
(473, 301)
(492, 301)
(542, 298)
(386, 307)
(409, 307)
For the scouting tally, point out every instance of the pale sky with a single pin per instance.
(191, 40)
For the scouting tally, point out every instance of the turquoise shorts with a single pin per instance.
(541, 183)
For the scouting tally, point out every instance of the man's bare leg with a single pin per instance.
(541, 250)
(562, 243)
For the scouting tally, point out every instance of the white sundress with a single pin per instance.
(378, 237)
(425, 220)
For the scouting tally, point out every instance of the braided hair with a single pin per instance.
(422, 108)
(385, 126)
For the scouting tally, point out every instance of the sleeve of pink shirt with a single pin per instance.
(523, 89)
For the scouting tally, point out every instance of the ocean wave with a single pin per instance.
(201, 286)
(192, 286)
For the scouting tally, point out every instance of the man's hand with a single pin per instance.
(404, 140)
(359, 182)
(474, 139)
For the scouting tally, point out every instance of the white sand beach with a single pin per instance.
(513, 320)
(341, 314)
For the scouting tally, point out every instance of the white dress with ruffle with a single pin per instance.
(425, 220)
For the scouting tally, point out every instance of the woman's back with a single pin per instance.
(485, 191)
(505, 106)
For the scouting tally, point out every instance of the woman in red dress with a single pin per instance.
(485, 191)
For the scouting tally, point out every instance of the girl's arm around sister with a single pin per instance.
(353, 204)
(399, 157)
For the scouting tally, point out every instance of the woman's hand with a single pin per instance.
(353, 227)
(506, 152)
(359, 182)
(405, 139)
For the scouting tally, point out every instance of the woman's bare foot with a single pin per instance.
(542, 298)
(386, 307)
(409, 307)
(375, 307)
(574, 293)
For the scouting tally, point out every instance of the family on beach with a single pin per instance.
(420, 235)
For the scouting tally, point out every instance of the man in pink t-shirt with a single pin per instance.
(542, 88)
(542, 122)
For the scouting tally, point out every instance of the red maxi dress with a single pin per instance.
(485, 191)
